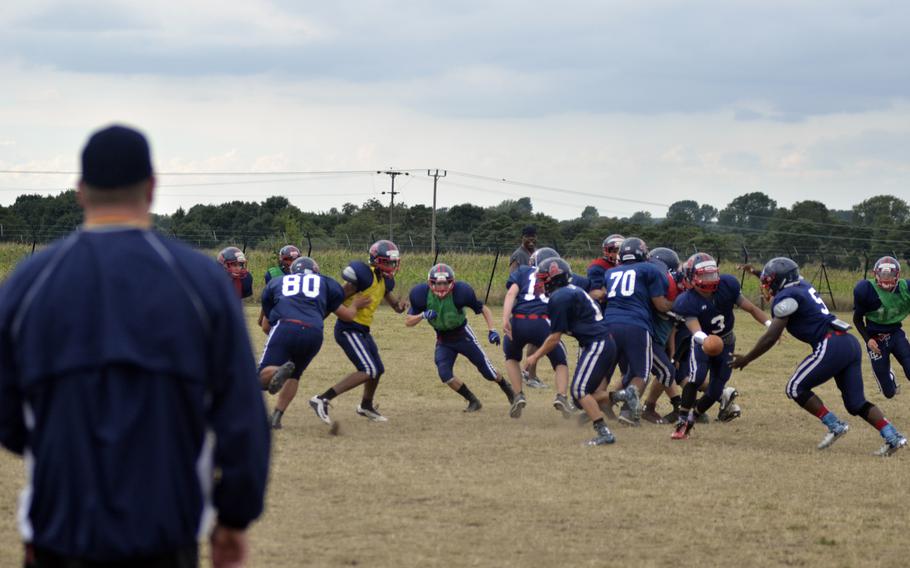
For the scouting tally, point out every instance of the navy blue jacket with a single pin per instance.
(126, 378)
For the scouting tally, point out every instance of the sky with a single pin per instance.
(623, 105)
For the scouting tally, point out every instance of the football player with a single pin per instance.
(286, 256)
(633, 289)
(571, 310)
(599, 267)
(797, 307)
(879, 306)
(295, 306)
(375, 280)
(234, 262)
(525, 322)
(662, 343)
(708, 305)
(441, 302)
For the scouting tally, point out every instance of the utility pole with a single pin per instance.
(392, 193)
(436, 177)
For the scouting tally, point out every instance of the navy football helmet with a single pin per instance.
(611, 246)
(887, 272)
(385, 256)
(304, 265)
(541, 255)
(287, 255)
(234, 262)
(554, 273)
(666, 256)
(778, 273)
(700, 271)
(632, 250)
(441, 280)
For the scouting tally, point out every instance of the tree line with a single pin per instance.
(752, 226)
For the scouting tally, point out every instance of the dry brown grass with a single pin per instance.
(436, 487)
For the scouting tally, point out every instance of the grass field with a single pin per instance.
(437, 487)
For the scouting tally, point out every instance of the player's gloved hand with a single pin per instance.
(429, 315)
(493, 337)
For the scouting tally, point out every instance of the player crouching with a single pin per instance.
(571, 310)
(294, 307)
(441, 302)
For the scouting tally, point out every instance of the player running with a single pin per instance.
(797, 307)
(879, 307)
(376, 281)
(441, 302)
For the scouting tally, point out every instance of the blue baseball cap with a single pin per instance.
(116, 156)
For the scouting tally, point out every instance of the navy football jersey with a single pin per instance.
(527, 301)
(463, 296)
(582, 282)
(715, 314)
(811, 321)
(309, 298)
(573, 311)
(630, 288)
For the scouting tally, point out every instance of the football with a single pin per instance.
(713, 345)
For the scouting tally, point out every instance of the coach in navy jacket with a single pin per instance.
(126, 380)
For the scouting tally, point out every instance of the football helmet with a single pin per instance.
(778, 273)
(633, 249)
(554, 273)
(441, 280)
(701, 272)
(287, 255)
(611, 247)
(666, 256)
(541, 255)
(384, 255)
(887, 271)
(304, 265)
(234, 262)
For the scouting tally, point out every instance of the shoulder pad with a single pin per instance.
(349, 274)
(785, 308)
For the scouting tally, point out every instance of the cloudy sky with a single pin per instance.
(623, 105)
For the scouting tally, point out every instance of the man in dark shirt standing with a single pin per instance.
(522, 255)
(126, 383)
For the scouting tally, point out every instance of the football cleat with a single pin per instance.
(891, 446)
(280, 376)
(473, 406)
(562, 404)
(372, 414)
(650, 414)
(603, 437)
(321, 407)
(682, 430)
(518, 404)
(728, 411)
(532, 381)
(627, 418)
(834, 434)
(634, 402)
